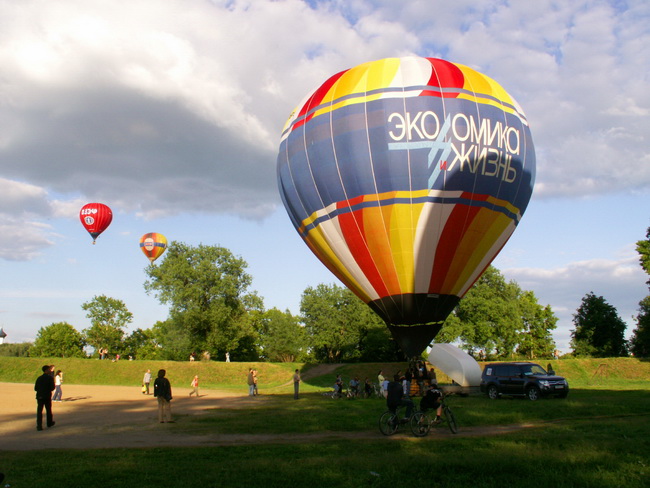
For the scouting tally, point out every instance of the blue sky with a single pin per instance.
(170, 112)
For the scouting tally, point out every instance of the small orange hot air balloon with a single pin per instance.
(153, 245)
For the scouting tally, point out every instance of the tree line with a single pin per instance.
(212, 312)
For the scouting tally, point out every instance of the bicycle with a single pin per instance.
(390, 421)
(421, 422)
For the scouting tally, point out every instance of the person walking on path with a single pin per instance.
(255, 392)
(146, 380)
(296, 384)
(44, 387)
(58, 381)
(162, 390)
(195, 386)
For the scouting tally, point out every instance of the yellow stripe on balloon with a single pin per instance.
(402, 236)
(477, 241)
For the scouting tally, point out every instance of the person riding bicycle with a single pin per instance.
(431, 400)
(396, 398)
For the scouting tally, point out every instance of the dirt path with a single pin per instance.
(93, 417)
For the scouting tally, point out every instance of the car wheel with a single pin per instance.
(492, 392)
(533, 393)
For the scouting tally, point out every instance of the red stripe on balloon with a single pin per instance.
(445, 75)
(351, 224)
(316, 99)
(448, 243)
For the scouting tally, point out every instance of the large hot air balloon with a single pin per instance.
(153, 245)
(95, 217)
(406, 177)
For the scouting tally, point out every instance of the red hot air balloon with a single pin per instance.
(406, 177)
(153, 245)
(95, 217)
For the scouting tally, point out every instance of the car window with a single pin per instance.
(537, 369)
(488, 371)
(500, 371)
(514, 371)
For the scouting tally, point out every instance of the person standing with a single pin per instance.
(255, 392)
(146, 380)
(58, 381)
(251, 382)
(433, 379)
(380, 380)
(195, 386)
(162, 390)
(338, 386)
(296, 384)
(44, 387)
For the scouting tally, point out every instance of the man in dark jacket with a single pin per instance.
(162, 389)
(431, 400)
(395, 397)
(44, 387)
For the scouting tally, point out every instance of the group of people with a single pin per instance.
(417, 374)
(355, 387)
(397, 393)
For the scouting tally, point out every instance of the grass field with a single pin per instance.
(598, 437)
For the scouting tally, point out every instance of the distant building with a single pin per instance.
(2, 336)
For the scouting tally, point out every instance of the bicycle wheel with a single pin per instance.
(388, 423)
(420, 424)
(451, 420)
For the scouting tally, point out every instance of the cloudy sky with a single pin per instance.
(170, 112)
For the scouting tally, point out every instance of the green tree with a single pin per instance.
(640, 340)
(489, 315)
(378, 345)
(206, 289)
(599, 331)
(18, 350)
(341, 327)
(60, 340)
(141, 344)
(535, 340)
(109, 318)
(173, 342)
(498, 317)
(643, 248)
(282, 337)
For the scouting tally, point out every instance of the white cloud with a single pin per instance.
(175, 107)
(620, 281)
(192, 95)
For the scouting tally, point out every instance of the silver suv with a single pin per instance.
(522, 379)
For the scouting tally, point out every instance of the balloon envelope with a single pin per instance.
(153, 245)
(405, 177)
(95, 217)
